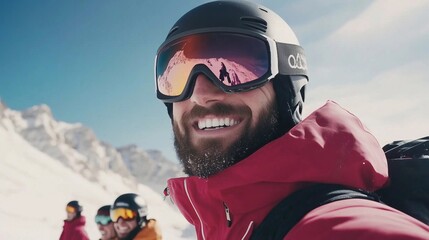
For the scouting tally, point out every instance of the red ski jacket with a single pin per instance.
(329, 146)
(74, 229)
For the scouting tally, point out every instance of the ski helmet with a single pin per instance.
(249, 18)
(133, 202)
(104, 210)
(75, 204)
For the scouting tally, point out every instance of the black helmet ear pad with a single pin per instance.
(290, 96)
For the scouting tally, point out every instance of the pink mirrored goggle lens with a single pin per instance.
(233, 58)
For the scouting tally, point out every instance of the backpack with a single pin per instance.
(408, 191)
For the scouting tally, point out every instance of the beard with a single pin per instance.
(210, 156)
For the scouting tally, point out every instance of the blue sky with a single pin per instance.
(92, 62)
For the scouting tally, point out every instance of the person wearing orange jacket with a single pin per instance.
(129, 215)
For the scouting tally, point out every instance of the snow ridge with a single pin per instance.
(78, 148)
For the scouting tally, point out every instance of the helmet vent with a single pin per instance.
(173, 29)
(263, 10)
(253, 22)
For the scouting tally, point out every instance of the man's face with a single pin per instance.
(123, 228)
(214, 130)
(107, 231)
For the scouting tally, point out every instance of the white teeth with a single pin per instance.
(201, 124)
(227, 123)
(209, 123)
(216, 123)
(122, 229)
(221, 122)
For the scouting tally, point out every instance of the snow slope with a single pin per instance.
(34, 189)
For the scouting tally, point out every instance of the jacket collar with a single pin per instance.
(78, 221)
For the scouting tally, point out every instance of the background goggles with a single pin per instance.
(234, 62)
(70, 209)
(102, 219)
(124, 213)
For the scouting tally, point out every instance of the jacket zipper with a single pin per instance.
(228, 215)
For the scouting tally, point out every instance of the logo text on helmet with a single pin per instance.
(297, 62)
(122, 204)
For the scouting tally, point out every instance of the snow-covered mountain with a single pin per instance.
(45, 163)
(78, 148)
(149, 167)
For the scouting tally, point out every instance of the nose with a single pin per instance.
(205, 92)
(120, 221)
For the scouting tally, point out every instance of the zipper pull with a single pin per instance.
(228, 216)
(166, 192)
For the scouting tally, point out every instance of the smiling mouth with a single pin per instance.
(122, 229)
(216, 123)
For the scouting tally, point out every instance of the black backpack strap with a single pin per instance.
(285, 215)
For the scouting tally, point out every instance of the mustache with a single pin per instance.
(216, 109)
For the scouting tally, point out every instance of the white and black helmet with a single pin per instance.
(133, 202)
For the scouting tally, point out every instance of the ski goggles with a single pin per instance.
(234, 62)
(102, 219)
(70, 209)
(124, 213)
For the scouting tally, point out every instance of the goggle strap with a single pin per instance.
(292, 60)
